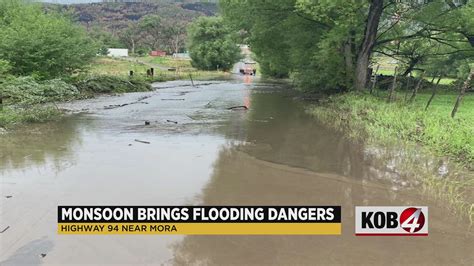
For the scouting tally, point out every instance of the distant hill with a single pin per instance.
(74, 2)
(114, 17)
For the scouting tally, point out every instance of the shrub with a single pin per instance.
(110, 84)
(27, 91)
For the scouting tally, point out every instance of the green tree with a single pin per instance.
(131, 36)
(327, 45)
(212, 45)
(152, 28)
(42, 44)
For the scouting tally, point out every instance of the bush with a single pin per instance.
(45, 45)
(11, 116)
(110, 84)
(5, 67)
(27, 91)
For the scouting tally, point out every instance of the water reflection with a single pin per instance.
(40, 144)
(278, 130)
(285, 157)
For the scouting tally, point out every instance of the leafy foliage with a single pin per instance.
(5, 67)
(110, 84)
(28, 91)
(44, 45)
(324, 45)
(11, 116)
(212, 45)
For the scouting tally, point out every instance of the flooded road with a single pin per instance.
(202, 153)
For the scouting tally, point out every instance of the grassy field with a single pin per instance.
(168, 61)
(387, 67)
(116, 67)
(179, 69)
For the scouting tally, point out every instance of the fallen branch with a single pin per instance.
(142, 141)
(239, 107)
(6, 228)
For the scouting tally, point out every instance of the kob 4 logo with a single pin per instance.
(391, 221)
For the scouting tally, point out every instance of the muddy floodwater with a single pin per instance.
(201, 153)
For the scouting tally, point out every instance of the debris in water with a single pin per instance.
(6, 228)
(171, 121)
(142, 141)
(8, 196)
(43, 255)
(239, 107)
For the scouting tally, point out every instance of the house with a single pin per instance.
(117, 52)
(158, 53)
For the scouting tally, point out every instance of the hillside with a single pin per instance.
(113, 17)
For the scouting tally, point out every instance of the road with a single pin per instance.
(202, 153)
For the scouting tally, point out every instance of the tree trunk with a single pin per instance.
(434, 92)
(415, 89)
(373, 19)
(176, 44)
(133, 46)
(461, 93)
(394, 84)
(410, 67)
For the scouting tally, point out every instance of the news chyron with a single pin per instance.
(200, 220)
(391, 221)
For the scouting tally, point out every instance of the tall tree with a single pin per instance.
(212, 45)
(331, 44)
(152, 27)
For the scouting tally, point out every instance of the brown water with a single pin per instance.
(272, 154)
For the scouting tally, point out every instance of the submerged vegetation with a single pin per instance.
(370, 117)
(11, 115)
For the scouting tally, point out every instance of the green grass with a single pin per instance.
(121, 68)
(13, 116)
(372, 119)
(115, 67)
(387, 68)
(167, 61)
